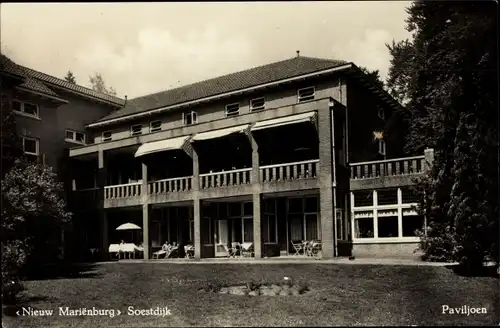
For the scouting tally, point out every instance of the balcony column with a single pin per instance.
(103, 219)
(256, 199)
(146, 208)
(326, 182)
(197, 204)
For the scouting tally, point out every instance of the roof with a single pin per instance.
(41, 82)
(228, 83)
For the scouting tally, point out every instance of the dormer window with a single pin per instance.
(381, 113)
(136, 130)
(155, 126)
(305, 94)
(257, 104)
(106, 136)
(190, 118)
(75, 136)
(232, 109)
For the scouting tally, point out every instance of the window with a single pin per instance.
(106, 136)
(381, 113)
(295, 205)
(269, 228)
(409, 195)
(411, 224)
(363, 198)
(155, 126)
(305, 94)
(311, 205)
(31, 147)
(25, 108)
(74, 136)
(136, 130)
(232, 109)
(387, 226)
(363, 228)
(257, 104)
(387, 196)
(189, 118)
(381, 147)
(248, 208)
(234, 209)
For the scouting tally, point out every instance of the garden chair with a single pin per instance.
(298, 246)
(229, 250)
(247, 249)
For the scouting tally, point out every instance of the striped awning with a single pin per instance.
(162, 145)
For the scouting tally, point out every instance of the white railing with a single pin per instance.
(389, 167)
(170, 185)
(290, 171)
(226, 178)
(122, 191)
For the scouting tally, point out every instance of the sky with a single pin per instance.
(142, 48)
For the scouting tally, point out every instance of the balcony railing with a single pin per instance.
(170, 185)
(226, 178)
(122, 191)
(390, 167)
(290, 171)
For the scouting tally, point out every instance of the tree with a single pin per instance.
(373, 76)
(33, 212)
(10, 142)
(70, 77)
(97, 83)
(447, 76)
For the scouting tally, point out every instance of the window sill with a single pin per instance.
(27, 115)
(75, 142)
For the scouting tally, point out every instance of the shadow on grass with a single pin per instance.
(484, 271)
(63, 270)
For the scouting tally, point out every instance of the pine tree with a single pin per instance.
(70, 77)
(97, 83)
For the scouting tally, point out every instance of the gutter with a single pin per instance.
(43, 95)
(222, 95)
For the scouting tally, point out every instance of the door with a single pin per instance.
(222, 238)
(248, 230)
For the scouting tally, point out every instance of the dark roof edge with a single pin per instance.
(218, 96)
(82, 94)
(42, 94)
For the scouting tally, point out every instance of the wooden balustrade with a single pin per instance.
(170, 185)
(289, 171)
(122, 191)
(226, 178)
(390, 167)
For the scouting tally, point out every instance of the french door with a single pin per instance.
(222, 237)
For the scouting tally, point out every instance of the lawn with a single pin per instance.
(347, 295)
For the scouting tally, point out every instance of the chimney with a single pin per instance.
(298, 53)
(125, 101)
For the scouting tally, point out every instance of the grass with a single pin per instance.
(347, 295)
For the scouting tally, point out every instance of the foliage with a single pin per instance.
(373, 76)
(33, 211)
(446, 75)
(70, 77)
(97, 83)
(10, 141)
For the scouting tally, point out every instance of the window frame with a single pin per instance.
(132, 129)
(232, 114)
(299, 98)
(254, 109)
(104, 139)
(73, 139)
(151, 129)
(381, 113)
(23, 111)
(193, 120)
(382, 147)
(37, 145)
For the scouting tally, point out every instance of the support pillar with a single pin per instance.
(326, 182)
(197, 206)
(146, 208)
(256, 199)
(103, 219)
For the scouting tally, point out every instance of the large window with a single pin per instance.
(387, 226)
(363, 227)
(363, 198)
(25, 108)
(387, 196)
(269, 222)
(412, 223)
